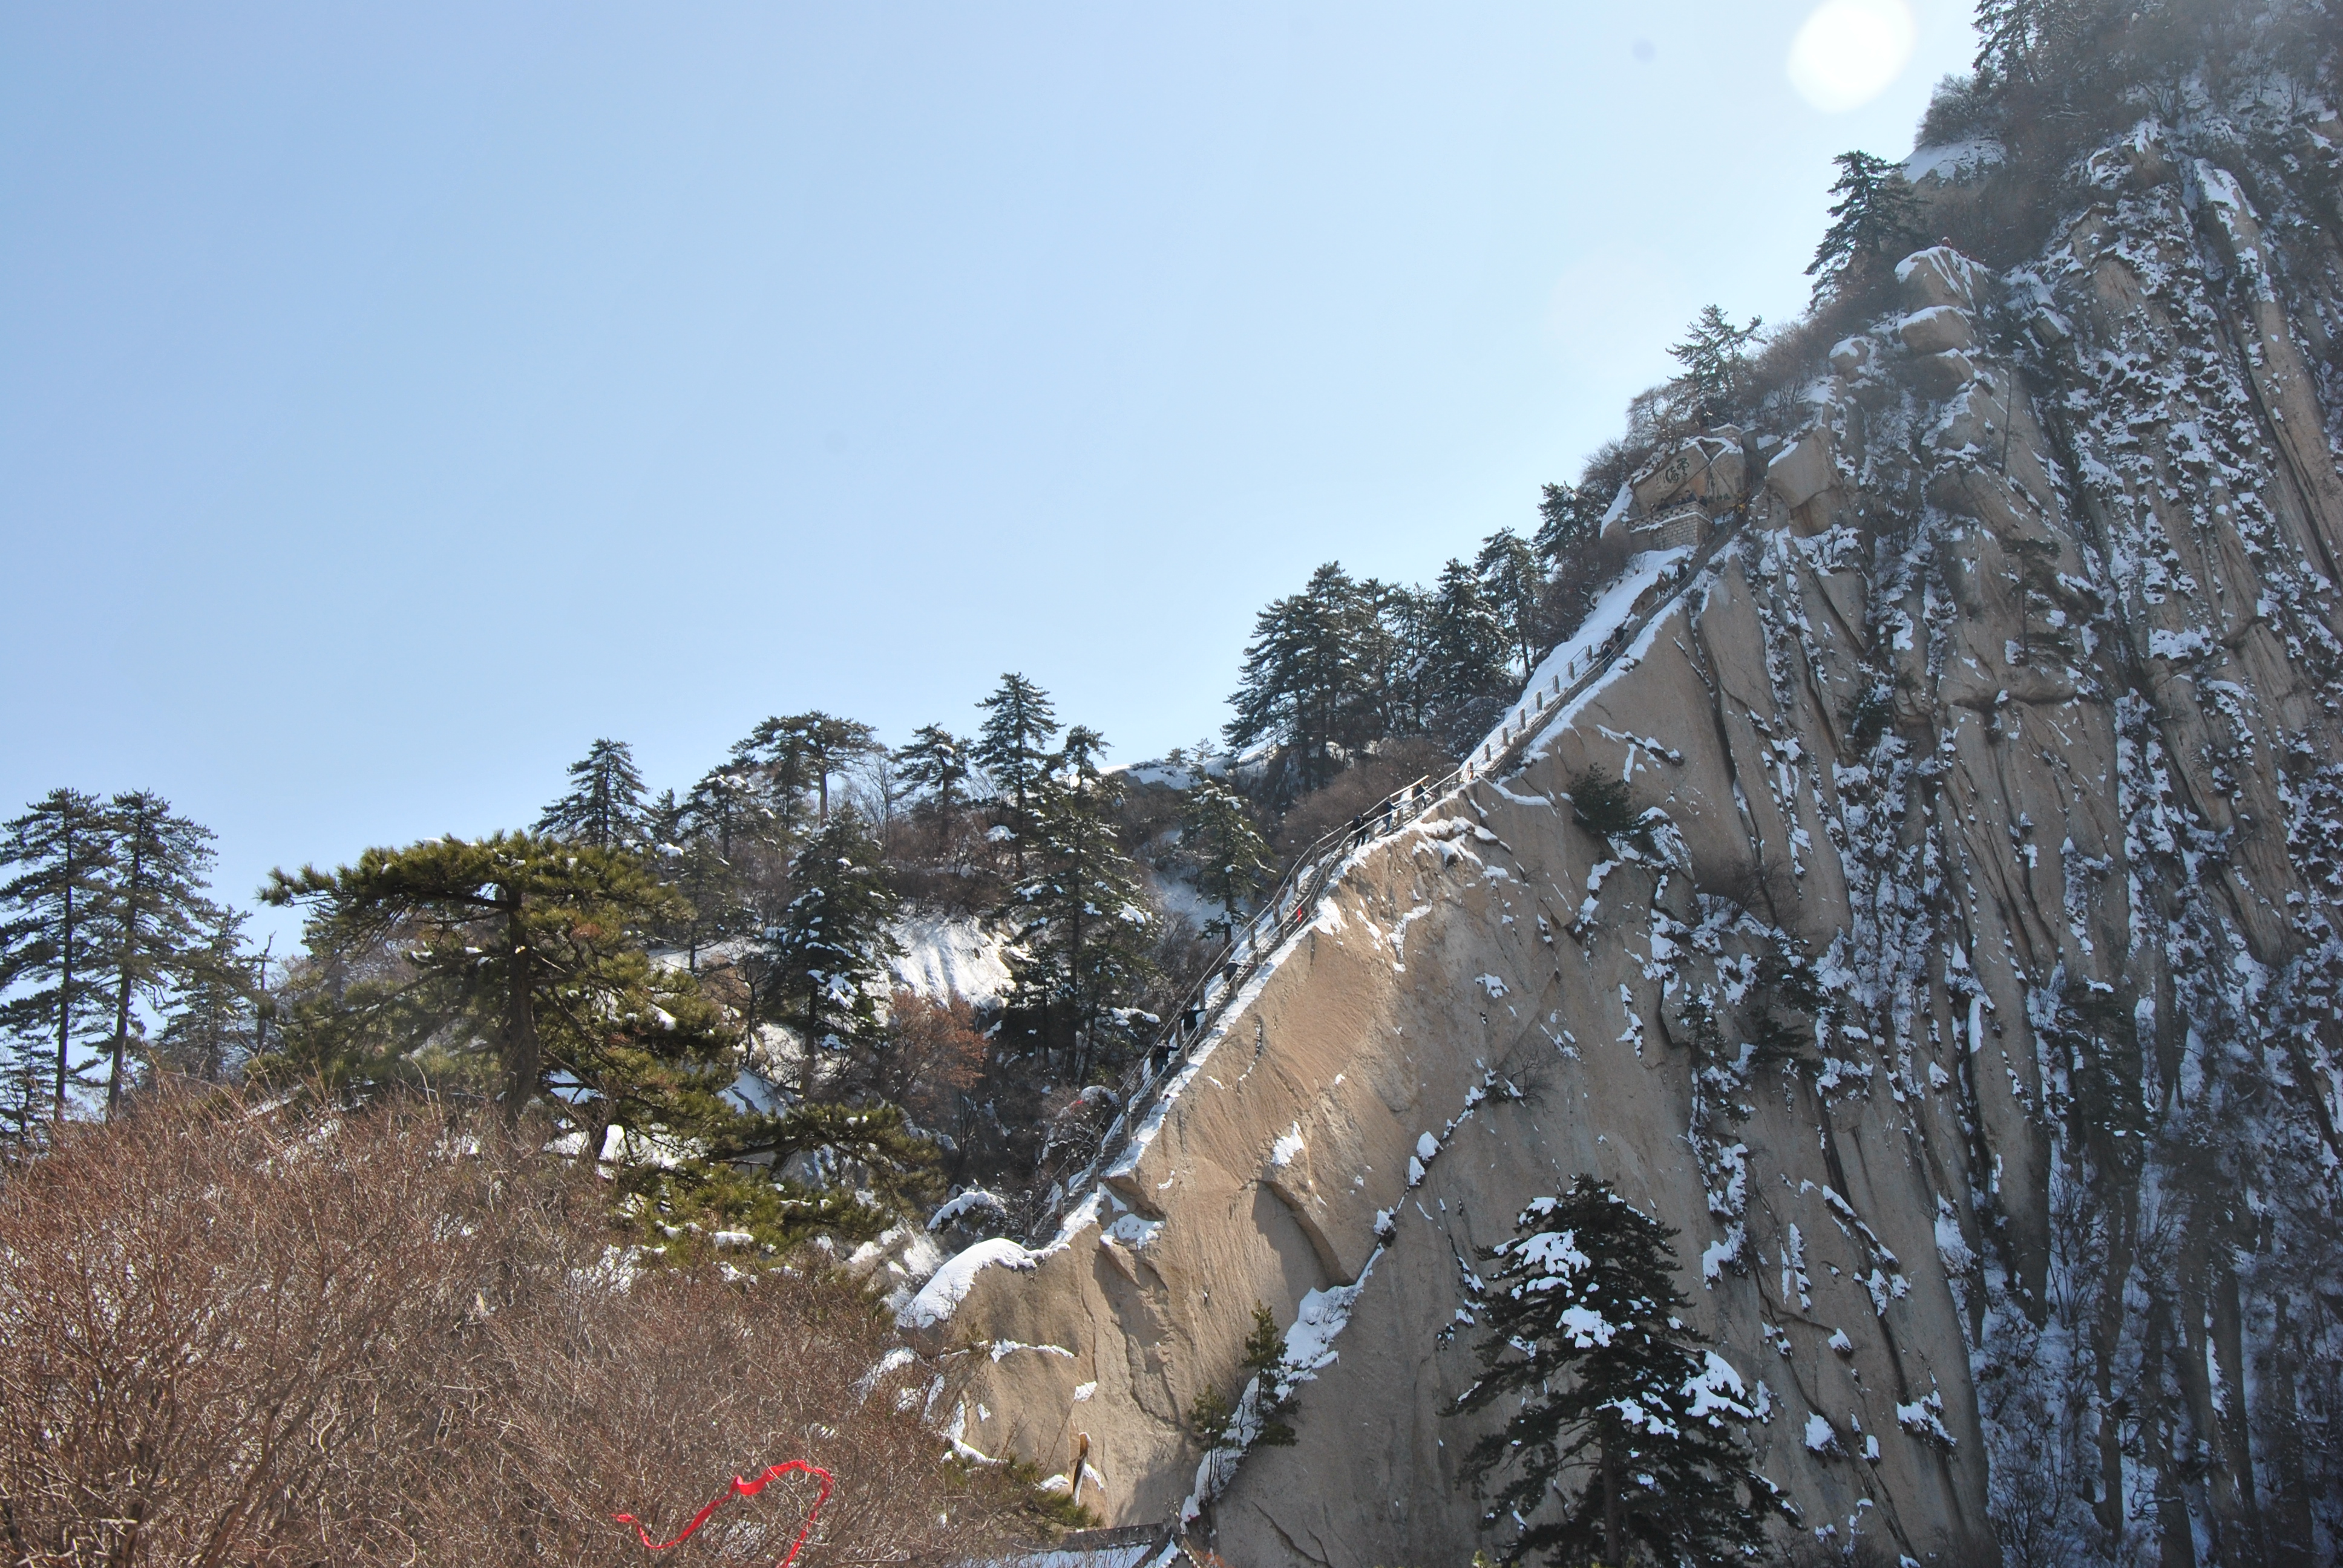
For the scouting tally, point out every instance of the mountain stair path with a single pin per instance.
(1200, 1008)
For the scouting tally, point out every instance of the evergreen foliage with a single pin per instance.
(937, 763)
(728, 807)
(826, 960)
(154, 912)
(1875, 224)
(1013, 745)
(800, 1172)
(828, 745)
(1617, 1447)
(1715, 354)
(801, 751)
(604, 809)
(710, 906)
(1080, 955)
(774, 765)
(1512, 587)
(1465, 681)
(216, 1028)
(53, 954)
(524, 947)
(1231, 860)
(1602, 805)
(1305, 683)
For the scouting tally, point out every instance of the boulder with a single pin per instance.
(1936, 329)
(2137, 161)
(1942, 375)
(1803, 469)
(1707, 469)
(1939, 275)
(1853, 356)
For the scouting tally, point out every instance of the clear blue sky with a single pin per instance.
(394, 398)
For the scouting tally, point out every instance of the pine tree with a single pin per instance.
(1013, 745)
(1464, 678)
(1715, 354)
(826, 960)
(825, 746)
(727, 805)
(1384, 636)
(1080, 923)
(1303, 683)
(153, 910)
(1231, 860)
(604, 809)
(937, 761)
(1874, 223)
(215, 1028)
(710, 886)
(772, 763)
(1565, 520)
(51, 943)
(529, 941)
(22, 1097)
(1617, 1409)
(663, 819)
(2007, 32)
(1513, 587)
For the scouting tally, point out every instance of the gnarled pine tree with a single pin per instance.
(1618, 1445)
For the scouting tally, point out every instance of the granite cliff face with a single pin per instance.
(2000, 761)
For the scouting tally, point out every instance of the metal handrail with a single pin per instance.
(1242, 955)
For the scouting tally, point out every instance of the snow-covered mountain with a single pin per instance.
(1990, 682)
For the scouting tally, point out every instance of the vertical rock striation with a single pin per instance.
(1972, 1009)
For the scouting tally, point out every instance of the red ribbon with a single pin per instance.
(743, 1488)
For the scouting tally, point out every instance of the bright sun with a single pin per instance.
(1849, 51)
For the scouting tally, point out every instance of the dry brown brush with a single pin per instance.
(236, 1335)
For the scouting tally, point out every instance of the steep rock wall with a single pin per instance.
(2016, 734)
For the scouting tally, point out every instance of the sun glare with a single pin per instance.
(1849, 51)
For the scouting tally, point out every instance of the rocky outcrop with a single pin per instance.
(1973, 1015)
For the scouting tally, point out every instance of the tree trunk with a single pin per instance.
(64, 999)
(806, 1045)
(520, 1014)
(124, 963)
(1612, 1532)
(1074, 969)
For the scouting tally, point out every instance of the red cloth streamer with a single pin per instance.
(744, 1488)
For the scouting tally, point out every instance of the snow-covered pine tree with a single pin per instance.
(1619, 1412)
(1080, 952)
(937, 761)
(826, 959)
(825, 746)
(1568, 542)
(710, 888)
(1715, 354)
(1303, 683)
(154, 912)
(1384, 622)
(769, 761)
(1013, 746)
(604, 809)
(1874, 223)
(52, 957)
(1514, 586)
(1463, 678)
(726, 805)
(1233, 860)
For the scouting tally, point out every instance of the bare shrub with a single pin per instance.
(1393, 765)
(229, 1336)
